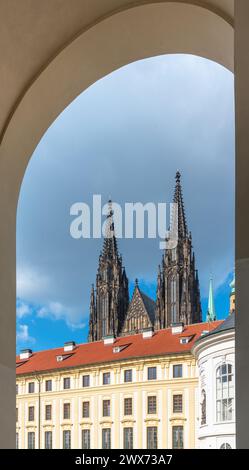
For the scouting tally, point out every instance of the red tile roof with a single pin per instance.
(161, 343)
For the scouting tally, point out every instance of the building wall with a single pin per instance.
(215, 351)
(164, 387)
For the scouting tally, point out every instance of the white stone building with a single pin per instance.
(215, 354)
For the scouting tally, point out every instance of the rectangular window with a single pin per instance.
(128, 375)
(85, 409)
(66, 411)
(151, 405)
(48, 440)
(31, 440)
(86, 381)
(106, 438)
(31, 387)
(177, 371)
(16, 414)
(106, 408)
(31, 413)
(66, 439)
(152, 437)
(17, 440)
(127, 406)
(128, 438)
(177, 403)
(177, 437)
(16, 389)
(48, 412)
(151, 373)
(106, 378)
(66, 383)
(48, 385)
(86, 439)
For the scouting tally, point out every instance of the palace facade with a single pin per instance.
(138, 391)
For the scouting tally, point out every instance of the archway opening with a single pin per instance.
(134, 135)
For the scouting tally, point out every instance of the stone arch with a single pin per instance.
(141, 30)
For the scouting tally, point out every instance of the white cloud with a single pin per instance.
(22, 335)
(57, 311)
(30, 283)
(22, 309)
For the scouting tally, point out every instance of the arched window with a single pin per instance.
(173, 299)
(203, 407)
(224, 393)
(225, 446)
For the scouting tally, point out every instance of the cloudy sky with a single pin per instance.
(125, 137)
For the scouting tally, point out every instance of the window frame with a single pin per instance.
(31, 440)
(149, 371)
(48, 443)
(128, 371)
(106, 431)
(175, 366)
(48, 388)
(224, 406)
(86, 411)
(154, 437)
(179, 440)
(67, 406)
(86, 376)
(48, 406)
(152, 405)
(31, 413)
(88, 440)
(106, 375)
(66, 380)
(106, 408)
(128, 440)
(128, 405)
(176, 407)
(31, 385)
(67, 443)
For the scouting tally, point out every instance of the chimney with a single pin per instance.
(177, 328)
(25, 353)
(109, 339)
(69, 346)
(147, 333)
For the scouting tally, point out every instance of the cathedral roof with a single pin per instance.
(150, 305)
(163, 342)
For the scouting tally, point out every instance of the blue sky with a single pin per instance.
(126, 136)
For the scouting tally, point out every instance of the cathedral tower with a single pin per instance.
(178, 293)
(109, 302)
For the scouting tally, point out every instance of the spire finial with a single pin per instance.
(178, 176)
(136, 282)
(178, 199)
(110, 244)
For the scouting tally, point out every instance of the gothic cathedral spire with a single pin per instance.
(109, 304)
(178, 294)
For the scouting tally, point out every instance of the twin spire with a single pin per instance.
(178, 198)
(110, 248)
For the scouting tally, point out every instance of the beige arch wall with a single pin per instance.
(107, 41)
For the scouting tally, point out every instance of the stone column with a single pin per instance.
(242, 219)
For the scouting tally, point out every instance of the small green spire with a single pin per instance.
(211, 314)
(232, 285)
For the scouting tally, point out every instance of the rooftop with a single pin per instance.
(163, 342)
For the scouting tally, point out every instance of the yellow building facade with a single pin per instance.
(141, 398)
